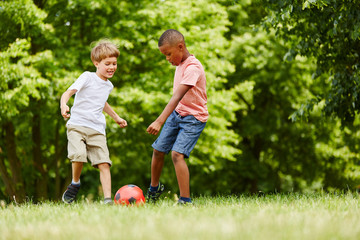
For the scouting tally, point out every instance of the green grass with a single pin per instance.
(278, 216)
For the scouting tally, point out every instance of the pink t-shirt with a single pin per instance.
(191, 72)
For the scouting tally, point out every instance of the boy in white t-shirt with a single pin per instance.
(86, 127)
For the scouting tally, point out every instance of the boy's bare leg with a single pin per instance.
(182, 173)
(105, 179)
(72, 190)
(76, 170)
(157, 164)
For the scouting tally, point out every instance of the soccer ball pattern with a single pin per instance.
(129, 195)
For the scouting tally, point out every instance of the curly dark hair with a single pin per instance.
(171, 36)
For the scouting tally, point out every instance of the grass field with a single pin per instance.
(278, 216)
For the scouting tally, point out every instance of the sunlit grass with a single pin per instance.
(278, 216)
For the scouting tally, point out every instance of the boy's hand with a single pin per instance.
(65, 111)
(63, 100)
(122, 122)
(154, 128)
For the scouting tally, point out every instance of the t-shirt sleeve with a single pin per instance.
(191, 75)
(80, 82)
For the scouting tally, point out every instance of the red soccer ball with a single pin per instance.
(129, 194)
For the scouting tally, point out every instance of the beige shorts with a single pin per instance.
(86, 143)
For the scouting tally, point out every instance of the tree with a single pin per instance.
(278, 154)
(23, 89)
(57, 41)
(329, 31)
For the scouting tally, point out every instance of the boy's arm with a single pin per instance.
(155, 127)
(108, 109)
(63, 103)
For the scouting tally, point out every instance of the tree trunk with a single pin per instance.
(57, 163)
(15, 164)
(6, 178)
(256, 150)
(42, 181)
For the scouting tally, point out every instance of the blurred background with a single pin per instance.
(282, 84)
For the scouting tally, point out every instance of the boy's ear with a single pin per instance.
(96, 63)
(181, 45)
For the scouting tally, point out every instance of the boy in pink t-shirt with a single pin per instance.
(185, 115)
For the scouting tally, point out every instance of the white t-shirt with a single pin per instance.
(90, 98)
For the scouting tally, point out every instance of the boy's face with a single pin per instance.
(174, 53)
(106, 67)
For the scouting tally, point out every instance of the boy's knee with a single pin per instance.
(103, 166)
(176, 157)
(158, 154)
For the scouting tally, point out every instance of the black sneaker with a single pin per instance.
(153, 196)
(70, 193)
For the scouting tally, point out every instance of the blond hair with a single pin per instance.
(103, 49)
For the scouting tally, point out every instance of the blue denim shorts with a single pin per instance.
(179, 134)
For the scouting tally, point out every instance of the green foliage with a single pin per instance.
(330, 32)
(26, 20)
(269, 89)
(21, 80)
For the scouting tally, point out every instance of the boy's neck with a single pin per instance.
(185, 56)
(97, 74)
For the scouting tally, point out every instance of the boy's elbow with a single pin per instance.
(72, 91)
